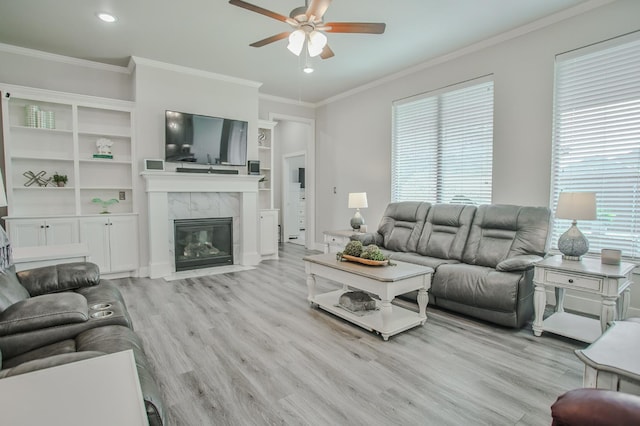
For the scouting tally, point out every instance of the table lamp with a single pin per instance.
(357, 200)
(575, 205)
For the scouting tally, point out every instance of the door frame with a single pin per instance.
(310, 171)
(286, 173)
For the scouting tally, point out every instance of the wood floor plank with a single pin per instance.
(245, 348)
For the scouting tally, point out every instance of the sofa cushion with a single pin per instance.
(62, 347)
(57, 278)
(402, 224)
(499, 232)
(445, 231)
(478, 286)
(418, 259)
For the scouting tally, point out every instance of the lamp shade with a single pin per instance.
(358, 200)
(577, 206)
(3, 195)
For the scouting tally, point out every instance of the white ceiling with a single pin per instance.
(214, 36)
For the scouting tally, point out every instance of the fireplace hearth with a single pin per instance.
(203, 243)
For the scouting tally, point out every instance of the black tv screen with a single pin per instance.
(200, 139)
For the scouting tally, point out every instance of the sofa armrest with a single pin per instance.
(57, 278)
(518, 263)
(596, 407)
(49, 310)
(368, 238)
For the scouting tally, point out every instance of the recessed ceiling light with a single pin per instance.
(106, 17)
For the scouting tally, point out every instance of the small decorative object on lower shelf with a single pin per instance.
(104, 203)
(356, 301)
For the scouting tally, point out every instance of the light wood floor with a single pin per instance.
(246, 349)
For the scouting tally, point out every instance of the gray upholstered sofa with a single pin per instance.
(60, 314)
(483, 256)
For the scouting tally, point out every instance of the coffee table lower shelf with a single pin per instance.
(401, 319)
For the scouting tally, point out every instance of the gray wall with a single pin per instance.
(353, 134)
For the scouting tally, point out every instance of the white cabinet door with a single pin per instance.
(112, 242)
(123, 241)
(61, 231)
(94, 232)
(42, 232)
(27, 233)
(268, 232)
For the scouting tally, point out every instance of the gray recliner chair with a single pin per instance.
(59, 314)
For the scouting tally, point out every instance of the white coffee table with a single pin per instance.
(386, 282)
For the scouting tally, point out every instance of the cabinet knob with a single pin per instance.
(41, 226)
(570, 280)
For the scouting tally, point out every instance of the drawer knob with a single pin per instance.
(570, 280)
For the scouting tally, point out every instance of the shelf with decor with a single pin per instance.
(47, 133)
(266, 143)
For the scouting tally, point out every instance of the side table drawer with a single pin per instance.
(569, 280)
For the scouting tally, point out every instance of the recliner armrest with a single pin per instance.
(518, 263)
(57, 278)
(49, 310)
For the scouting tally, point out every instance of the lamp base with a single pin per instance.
(356, 221)
(573, 244)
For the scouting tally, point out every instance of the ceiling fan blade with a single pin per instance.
(317, 8)
(355, 27)
(258, 9)
(326, 52)
(271, 39)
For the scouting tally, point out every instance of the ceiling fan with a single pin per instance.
(308, 27)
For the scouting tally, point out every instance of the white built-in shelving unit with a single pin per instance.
(64, 142)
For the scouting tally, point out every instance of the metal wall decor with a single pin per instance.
(36, 178)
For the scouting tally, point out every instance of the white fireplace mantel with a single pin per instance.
(160, 184)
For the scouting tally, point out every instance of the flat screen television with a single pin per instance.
(200, 139)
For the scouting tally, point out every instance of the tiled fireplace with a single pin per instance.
(203, 243)
(176, 196)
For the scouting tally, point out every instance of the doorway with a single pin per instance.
(294, 197)
(296, 138)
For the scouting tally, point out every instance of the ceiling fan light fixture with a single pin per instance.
(296, 42)
(317, 42)
(307, 69)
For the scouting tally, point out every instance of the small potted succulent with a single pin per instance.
(60, 180)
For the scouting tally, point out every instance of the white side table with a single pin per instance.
(334, 241)
(610, 282)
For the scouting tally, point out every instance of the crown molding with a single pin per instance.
(286, 100)
(39, 54)
(492, 41)
(137, 60)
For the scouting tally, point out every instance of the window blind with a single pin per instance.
(596, 140)
(443, 145)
